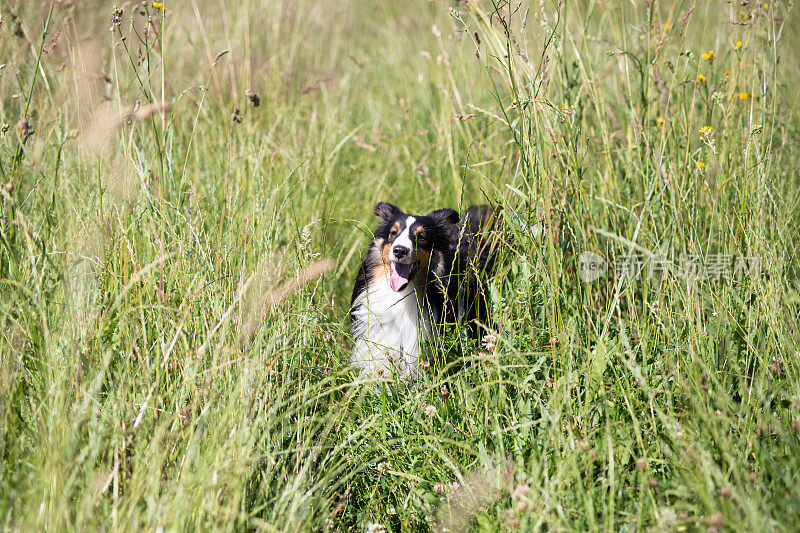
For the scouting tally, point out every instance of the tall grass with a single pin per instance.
(176, 262)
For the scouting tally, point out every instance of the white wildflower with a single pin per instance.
(375, 528)
(796, 401)
(488, 342)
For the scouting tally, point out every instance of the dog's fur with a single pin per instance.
(420, 273)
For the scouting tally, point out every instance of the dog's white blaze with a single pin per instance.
(404, 239)
(387, 329)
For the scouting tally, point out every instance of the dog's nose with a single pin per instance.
(400, 251)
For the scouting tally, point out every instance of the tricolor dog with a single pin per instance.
(420, 272)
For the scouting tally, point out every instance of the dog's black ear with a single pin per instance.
(387, 211)
(445, 215)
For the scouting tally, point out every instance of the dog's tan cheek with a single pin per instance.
(382, 270)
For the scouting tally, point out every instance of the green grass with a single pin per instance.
(170, 355)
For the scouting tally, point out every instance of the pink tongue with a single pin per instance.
(398, 275)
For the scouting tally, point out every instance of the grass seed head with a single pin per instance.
(23, 127)
(252, 96)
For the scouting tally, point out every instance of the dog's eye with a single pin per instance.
(393, 232)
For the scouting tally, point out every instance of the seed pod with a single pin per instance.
(253, 97)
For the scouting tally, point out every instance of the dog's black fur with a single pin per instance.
(477, 255)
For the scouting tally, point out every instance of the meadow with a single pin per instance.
(187, 191)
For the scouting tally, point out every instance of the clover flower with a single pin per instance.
(488, 342)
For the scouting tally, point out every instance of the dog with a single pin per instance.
(420, 273)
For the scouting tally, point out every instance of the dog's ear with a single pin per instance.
(387, 211)
(444, 216)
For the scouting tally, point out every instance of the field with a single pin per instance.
(188, 189)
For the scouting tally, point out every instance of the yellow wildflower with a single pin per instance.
(700, 78)
(745, 96)
(705, 129)
(727, 73)
(159, 5)
(708, 56)
(738, 44)
(667, 26)
(700, 164)
(659, 122)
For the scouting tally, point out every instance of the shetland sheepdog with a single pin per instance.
(420, 274)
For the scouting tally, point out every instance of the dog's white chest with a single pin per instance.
(387, 329)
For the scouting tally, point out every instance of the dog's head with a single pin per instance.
(407, 241)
